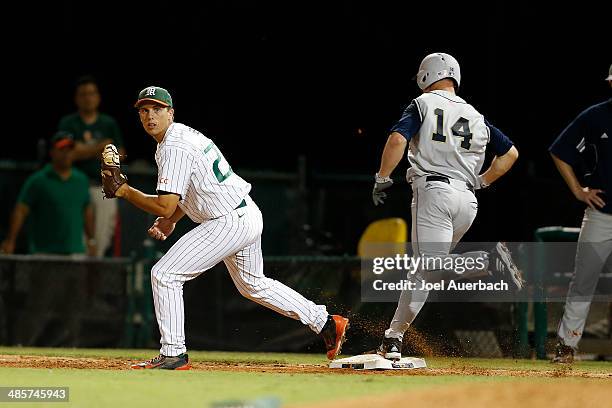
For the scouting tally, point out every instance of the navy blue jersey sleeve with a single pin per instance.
(410, 122)
(499, 143)
(568, 144)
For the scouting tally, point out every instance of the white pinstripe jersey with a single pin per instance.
(189, 164)
(451, 140)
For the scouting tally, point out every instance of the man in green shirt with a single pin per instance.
(55, 201)
(92, 131)
(54, 205)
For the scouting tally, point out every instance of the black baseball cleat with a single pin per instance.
(563, 354)
(502, 265)
(334, 334)
(391, 348)
(180, 362)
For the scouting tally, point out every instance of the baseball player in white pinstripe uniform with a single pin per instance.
(194, 179)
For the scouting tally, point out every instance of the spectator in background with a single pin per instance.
(55, 202)
(93, 130)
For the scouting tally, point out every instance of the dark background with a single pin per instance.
(270, 81)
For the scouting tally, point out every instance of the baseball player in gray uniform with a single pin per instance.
(447, 138)
(584, 148)
(194, 179)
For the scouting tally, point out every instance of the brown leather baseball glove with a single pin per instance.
(112, 178)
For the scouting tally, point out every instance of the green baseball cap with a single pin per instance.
(154, 94)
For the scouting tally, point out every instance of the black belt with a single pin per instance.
(447, 181)
(242, 204)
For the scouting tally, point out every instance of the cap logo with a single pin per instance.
(150, 91)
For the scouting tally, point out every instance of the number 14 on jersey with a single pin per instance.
(461, 128)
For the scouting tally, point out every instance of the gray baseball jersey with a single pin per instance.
(451, 140)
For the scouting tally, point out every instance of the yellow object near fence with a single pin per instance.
(384, 237)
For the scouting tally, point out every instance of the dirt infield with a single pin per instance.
(23, 361)
(525, 395)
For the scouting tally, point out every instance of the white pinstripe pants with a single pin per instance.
(234, 239)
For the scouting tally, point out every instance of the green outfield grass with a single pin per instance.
(101, 388)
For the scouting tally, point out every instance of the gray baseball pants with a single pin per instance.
(594, 250)
(441, 214)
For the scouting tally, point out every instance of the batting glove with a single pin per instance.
(380, 184)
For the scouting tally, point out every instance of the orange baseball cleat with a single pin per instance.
(333, 334)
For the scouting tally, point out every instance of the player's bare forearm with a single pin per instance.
(500, 166)
(567, 172)
(178, 214)
(392, 154)
(585, 194)
(160, 205)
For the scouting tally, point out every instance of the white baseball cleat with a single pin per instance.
(501, 264)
